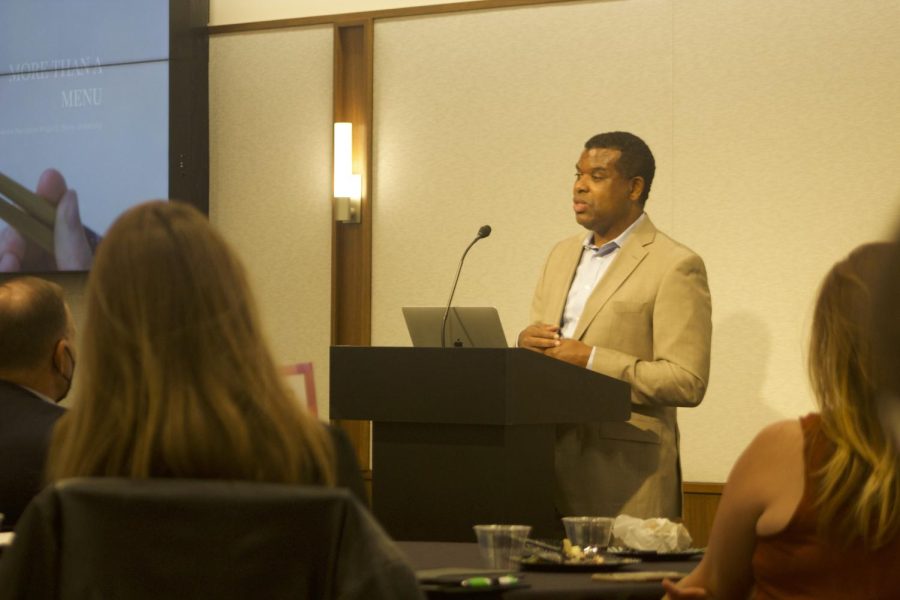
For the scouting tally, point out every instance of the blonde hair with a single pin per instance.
(176, 379)
(859, 485)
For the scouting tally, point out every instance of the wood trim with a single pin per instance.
(696, 487)
(350, 19)
(351, 246)
(701, 501)
(367, 482)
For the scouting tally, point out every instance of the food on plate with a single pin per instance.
(575, 554)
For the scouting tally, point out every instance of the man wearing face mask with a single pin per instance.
(37, 360)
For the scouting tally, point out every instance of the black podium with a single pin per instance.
(466, 435)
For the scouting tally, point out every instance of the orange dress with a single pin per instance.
(798, 563)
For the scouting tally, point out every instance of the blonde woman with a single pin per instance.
(176, 378)
(812, 507)
(177, 381)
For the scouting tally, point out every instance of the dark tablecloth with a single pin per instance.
(565, 586)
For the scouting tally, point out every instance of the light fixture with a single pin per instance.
(347, 186)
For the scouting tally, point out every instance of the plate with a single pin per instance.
(610, 563)
(654, 556)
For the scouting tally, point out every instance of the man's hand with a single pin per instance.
(71, 248)
(571, 351)
(539, 337)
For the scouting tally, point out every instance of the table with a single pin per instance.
(564, 586)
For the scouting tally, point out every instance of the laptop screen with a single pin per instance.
(467, 327)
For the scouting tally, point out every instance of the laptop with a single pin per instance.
(467, 327)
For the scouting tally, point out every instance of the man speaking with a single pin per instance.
(627, 301)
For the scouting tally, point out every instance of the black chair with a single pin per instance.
(171, 538)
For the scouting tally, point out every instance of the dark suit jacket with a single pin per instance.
(26, 422)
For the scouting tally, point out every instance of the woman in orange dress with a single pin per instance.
(811, 508)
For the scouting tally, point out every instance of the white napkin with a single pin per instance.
(661, 535)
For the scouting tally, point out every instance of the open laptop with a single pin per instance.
(467, 327)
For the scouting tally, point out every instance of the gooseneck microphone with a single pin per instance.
(483, 232)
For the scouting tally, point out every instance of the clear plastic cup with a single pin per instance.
(589, 532)
(502, 546)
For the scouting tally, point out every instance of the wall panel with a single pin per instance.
(270, 144)
(787, 140)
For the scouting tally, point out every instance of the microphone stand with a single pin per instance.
(482, 233)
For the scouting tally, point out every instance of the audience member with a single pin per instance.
(812, 507)
(177, 380)
(36, 365)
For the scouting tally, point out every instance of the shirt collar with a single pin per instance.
(612, 245)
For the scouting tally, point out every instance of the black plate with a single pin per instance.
(654, 556)
(610, 563)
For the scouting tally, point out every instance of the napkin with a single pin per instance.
(661, 535)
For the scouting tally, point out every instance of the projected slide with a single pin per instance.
(84, 90)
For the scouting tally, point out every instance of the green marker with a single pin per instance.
(489, 581)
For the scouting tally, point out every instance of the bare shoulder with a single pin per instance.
(771, 447)
(755, 487)
(780, 434)
(760, 469)
(777, 472)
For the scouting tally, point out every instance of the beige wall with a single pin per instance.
(777, 135)
(787, 145)
(270, 139)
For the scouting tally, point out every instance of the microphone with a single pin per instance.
(483, 232)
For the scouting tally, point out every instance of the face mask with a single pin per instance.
(67, 378)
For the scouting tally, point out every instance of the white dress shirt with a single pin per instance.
(595, 261)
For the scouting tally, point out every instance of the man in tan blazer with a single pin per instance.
(629, 302)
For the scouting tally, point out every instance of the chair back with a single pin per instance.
(120, 538)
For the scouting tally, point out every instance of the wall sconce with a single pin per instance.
(347, 186)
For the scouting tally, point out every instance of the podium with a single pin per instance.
(466, 435)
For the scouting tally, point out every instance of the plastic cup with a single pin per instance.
(589, 532)
(502, 546)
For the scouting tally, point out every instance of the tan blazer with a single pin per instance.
(649, 319)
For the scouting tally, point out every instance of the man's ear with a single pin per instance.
(637, 188)
(59, 358)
